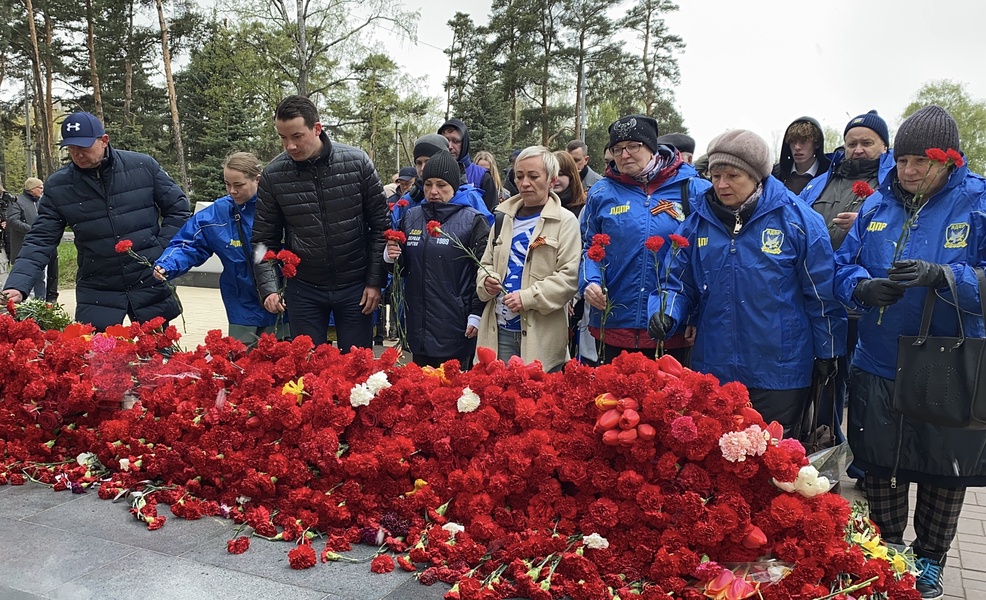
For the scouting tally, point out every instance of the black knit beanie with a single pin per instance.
(428, 145)
(930, 127)
(443, 166)
(684, 143)
(634, 128)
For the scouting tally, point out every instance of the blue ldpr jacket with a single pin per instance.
(213, 230)
(950, 229)
(624, 213)
(765, 301)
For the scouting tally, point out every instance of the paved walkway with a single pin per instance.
(59, 545)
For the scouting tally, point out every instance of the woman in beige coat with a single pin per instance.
(534, 263)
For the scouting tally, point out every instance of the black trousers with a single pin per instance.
(787, 407)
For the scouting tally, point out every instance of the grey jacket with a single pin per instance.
(21, 214)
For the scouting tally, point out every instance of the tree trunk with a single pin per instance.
(579, 90)
(172, 97)
(128, 67)
(46, 142)
(302, 48)
(97, 96)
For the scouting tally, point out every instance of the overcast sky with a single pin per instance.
(760, 64)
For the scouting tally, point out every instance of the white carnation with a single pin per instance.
(84, 458)
(595, 541)
(377, 381)
(360, 395)
(124, 464)
(808, 483)
(468, 401)
(453, 528)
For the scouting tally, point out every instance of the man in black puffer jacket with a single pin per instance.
(323, 201)
(107, 196)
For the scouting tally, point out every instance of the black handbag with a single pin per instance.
(938, 378)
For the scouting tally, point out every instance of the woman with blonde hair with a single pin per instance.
(224, 229)
(488, 161)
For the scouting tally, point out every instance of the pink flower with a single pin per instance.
(757, 439)
(684, 429)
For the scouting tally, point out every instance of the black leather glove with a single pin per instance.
(918, 273)
(878, 292)
(825, 368)
(660, 326)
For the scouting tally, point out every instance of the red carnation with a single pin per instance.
(936, 154)
(302, 557)
(123, 246)
(289, 270)
(382, 564)
(394, 235)
(238, 545)
(654, 243)
(596, 253)
(434, 228)
(600, 239)
(862, 189)
(678, 241)
(955, 156)
(269, 255)
(289, 258)
(402, 203)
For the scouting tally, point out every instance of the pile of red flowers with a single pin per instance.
(492, 479)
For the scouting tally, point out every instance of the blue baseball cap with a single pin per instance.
(407, 174)
(81, 129)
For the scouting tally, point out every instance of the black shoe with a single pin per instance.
(929, 582)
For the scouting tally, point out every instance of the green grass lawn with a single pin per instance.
(67, 265)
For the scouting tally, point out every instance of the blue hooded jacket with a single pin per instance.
(765, 302)
(213, 230)
(629, 215)
(950, 229)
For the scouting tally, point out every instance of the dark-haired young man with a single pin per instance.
(324, 201)
(802, 155)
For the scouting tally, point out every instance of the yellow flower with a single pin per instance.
(898, 563)
(439, 373)
(297, 388)
(874, 548)
(418, 484)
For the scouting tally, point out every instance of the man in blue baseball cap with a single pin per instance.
(107, 196)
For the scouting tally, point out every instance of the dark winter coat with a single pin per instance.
(128, 197)
(21, 214)
(439, 278)
(330, 211)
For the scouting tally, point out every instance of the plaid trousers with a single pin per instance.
(936, 515)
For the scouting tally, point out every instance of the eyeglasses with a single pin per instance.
(632, 148)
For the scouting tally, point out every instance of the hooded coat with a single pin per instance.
(951, 230)
(764, 297)
(475, 174)
(782, 170)
(127, 197)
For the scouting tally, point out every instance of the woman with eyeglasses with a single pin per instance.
(645, 192)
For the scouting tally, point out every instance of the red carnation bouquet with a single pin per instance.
(287, 262)
(127, 247)
(397, 283)
(597, 254)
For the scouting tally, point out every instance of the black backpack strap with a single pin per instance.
(686, 207)
(497, 226)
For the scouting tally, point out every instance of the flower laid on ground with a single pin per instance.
(127, 247)
(48, 315)
(468, 401)
(944, 159)
(545, 507)
(361, 394)
(238, 545)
